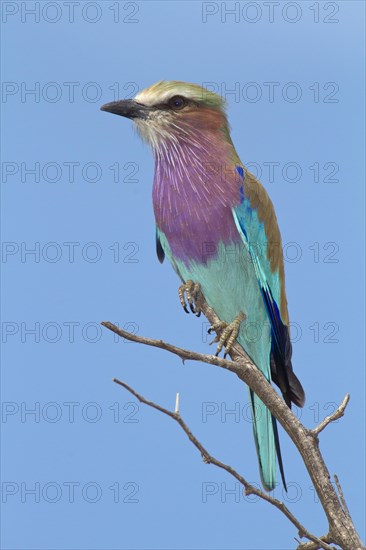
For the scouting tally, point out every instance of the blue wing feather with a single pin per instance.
(254, 236)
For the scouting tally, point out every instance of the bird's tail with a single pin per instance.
(266, 442)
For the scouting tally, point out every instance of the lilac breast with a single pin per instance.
(195, 188)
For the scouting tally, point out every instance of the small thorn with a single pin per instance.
(177, 404)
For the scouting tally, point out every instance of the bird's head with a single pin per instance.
(173, 111)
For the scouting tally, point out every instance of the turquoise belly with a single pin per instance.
(229, 284)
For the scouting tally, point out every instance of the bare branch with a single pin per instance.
(341, 528)
(209, 459)
(180, 352)
(341, 496)
(332, 417)
(241, 365)
(315, 545)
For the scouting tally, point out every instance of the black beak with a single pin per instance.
(128, 108)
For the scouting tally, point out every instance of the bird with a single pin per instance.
(216, 224)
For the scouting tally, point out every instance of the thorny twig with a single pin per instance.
(341, 529)
(332, 417)
(209, 459)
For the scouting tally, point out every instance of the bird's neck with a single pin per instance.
(194, 168)
(195, 187)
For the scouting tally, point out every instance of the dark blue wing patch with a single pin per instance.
(240, 171)
(281, 349)
(159, 249)
(281, 355)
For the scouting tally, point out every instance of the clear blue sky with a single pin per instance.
(106, 473)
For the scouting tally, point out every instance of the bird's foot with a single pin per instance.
(191, 291)
(226, 333)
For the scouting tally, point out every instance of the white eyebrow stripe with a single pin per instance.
(151, 98)
(163, 90)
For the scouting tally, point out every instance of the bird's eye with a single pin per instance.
(177, 102)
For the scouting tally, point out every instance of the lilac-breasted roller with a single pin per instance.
(216, 224)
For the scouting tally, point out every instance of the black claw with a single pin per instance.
(198, 314)
(185, 309)
(225, 354)
(192, 308)
(209, 330)
(217, 354)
